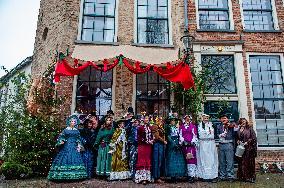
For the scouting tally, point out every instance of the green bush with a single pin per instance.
(15, 171)
(30, 123)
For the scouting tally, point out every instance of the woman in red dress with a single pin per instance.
(145, 142)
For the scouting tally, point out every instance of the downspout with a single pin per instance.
(185, 16)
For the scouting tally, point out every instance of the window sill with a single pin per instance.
(262, 31)
(153, 45)
(96, 43)
(221, 95)
(217, 30)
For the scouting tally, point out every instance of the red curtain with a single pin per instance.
(180, 73)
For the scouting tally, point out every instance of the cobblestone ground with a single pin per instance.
(263, 181)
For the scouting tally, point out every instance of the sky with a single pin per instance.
(18, 21)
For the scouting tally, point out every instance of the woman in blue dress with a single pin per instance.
(68, 163)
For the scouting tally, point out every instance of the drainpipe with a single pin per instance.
(185, 16)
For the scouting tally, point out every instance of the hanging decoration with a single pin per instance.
(179, 73)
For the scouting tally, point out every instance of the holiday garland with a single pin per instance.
(179, 73)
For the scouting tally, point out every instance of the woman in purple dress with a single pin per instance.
(189, 140)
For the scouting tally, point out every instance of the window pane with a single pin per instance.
(109, 23)
(89, 8)
(87, 34)
(88, 22)
(99, 23)
(213, 3)
(222, 73)
(98, 36)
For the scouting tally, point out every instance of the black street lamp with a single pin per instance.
(187, 40)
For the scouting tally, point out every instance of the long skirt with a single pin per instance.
(68, 164)
(88, 158)
(175, 161)
(103, 161)
(119, 166)
(246, 167)
(143, 166)
(207, 160)
(158, 162)
(191, 161)
(132, 159)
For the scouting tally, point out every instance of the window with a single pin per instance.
(258, 15)
(221, 78)
(213, 14)
(216, 108)
(152, 22)
(152, 94)
(94, 91)
(268, 98)
(98, 21)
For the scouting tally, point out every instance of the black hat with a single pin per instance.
(110, 112)
(223, 115)
(122, 119)
(93, 114)
(130, 110)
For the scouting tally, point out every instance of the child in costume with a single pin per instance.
(118, 149)
(189, 142)
(145, 142)
(175, 161)
(102, 142)
(68, 163)
(207, 157)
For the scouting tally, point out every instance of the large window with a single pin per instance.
(94, 91)
(152, 22)
(213, 14)
(258, 15)
(221, 73)
(98, 21)
(268, 98)
(152, 94)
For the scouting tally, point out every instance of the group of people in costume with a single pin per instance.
(146, 149)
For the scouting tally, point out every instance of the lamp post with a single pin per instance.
(187, 40)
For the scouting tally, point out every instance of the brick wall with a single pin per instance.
(270, 157)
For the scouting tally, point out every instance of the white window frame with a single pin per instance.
(236, 51)
(169, 22)
(248, 54)
(231, 19)
(80, 24)
(274, 15)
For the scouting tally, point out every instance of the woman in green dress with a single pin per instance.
(118, 149)
(102, 142)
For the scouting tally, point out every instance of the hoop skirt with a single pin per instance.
(68, 163)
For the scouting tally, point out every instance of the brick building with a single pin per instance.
(242, 39)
